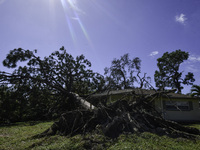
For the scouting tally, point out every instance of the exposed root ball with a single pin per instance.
(117, 118)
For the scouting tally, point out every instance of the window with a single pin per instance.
(178, 105)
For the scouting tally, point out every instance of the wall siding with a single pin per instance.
(191, 115)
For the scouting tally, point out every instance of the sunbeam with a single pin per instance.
(72, 12)
(71, 30)
(83, 29)
(73, 5)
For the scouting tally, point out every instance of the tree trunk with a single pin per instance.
(119, 117)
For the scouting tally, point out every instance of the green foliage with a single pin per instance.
(59, 71)
(195, 90)
(168, 74)
(121, 73)
(8, 105)
(24, 103)
(40, 87)
(17, 55)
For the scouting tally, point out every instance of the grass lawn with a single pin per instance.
(20, 136)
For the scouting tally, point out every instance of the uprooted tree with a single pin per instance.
(122, 116)
(57, 80)
(42, 85)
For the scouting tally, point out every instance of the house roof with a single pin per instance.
(138, 91)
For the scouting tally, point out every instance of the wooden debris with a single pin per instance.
(119, 117)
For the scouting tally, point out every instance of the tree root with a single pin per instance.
(117, 118)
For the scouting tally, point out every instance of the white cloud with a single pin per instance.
(192, 64)
(154, 53)
(194, 58)
(181, 18)
(192, 68)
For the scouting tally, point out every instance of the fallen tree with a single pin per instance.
(119, 117)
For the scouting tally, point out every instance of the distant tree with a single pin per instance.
(48, 81)
(144, 81)
(168, 74)
(121, 73)
(7, 105)
(195, 90)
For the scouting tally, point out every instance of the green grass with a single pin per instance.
(149, 141)
(20, 136)
(195, 126)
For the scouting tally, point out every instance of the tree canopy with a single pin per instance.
(168, 74)
(46, 82)
(59, 71)
(120, 75)
(41, 87)
(195, 90)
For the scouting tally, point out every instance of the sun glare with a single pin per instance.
(73, 4)
(72, 13)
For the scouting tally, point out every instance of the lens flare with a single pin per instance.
(73, 5)
(72, 12)
(71, 30)
(83, 29)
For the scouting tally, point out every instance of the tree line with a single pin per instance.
(39, 90)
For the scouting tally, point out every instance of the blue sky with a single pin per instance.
(104, 29)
